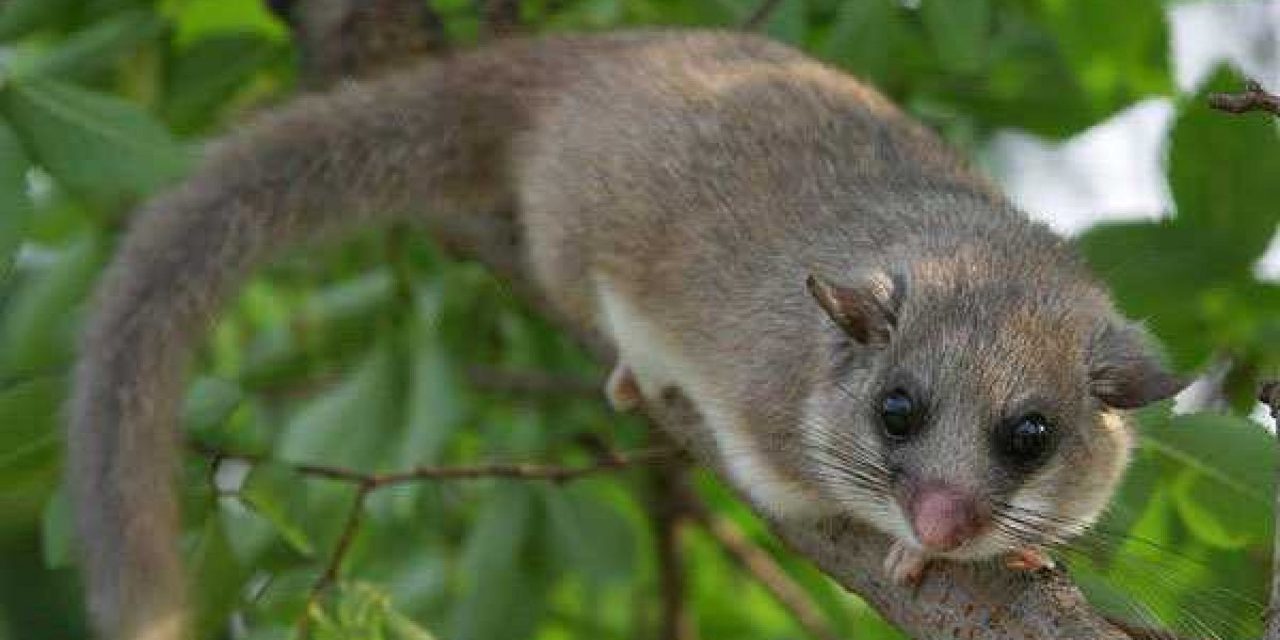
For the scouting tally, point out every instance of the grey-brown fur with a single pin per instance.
(702, 175)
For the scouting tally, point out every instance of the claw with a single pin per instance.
(1028, 559)
(905, 565)
(622, 390)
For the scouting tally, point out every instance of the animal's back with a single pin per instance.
(707, 173)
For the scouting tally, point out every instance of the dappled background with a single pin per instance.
(380, 354)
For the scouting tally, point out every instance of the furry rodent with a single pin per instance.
(865, 324)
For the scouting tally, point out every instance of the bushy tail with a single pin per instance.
(430, 142)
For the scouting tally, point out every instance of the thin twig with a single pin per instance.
(334, 564)
(368, 482)
(525, 471)
(516, 470)
(761, 15)
(343, 545)
(1253, 98)
(667, 513)
(764, 569)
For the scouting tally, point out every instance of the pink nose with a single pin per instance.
(944, 517)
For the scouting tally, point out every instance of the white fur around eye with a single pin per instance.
(1111, 454)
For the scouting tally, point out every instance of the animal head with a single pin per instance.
(969, 413)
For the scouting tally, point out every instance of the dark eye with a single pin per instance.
(898, 414)
(1026, 441)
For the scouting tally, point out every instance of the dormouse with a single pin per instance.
(866, 325)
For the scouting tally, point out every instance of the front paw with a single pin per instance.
(905, 565)
(622, 390)
(1028, 559)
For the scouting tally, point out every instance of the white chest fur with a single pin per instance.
(657, 362)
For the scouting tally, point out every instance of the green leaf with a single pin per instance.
(269, 491)
(1226, 526)
(1136, 496)
(203, 18)
(1026, 85)
(1191, 278)
(503, 598)
(38, 323)
(1118, 51)
(95, 48)
(209, 404)
(438, 404)
(1235, 452)
(1160, 273)
(207, 72)
(363, 611)
(589, 534)
(1224, 496)
(90, 11)
(349, 424)
(254, 540)
(402, 628)
(30, 440)
(959, 31)
(15, 203)
(788, 21)
(862, 37)
(216, 577)
(92, 142)
(1223, 171)
(20, 17)
(1191, 287)
(500, 530)
(333, 324)
(57, 531)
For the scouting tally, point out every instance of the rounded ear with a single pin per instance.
(866, 308)
(1124, 370)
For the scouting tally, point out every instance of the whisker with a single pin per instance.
(1176, 572)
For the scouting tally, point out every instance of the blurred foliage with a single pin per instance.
(358, 354)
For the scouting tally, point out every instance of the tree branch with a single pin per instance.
(763, 568)
(518, 470)
(1253, 98)
(366, 483)
(667, 513)
(953, 601)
